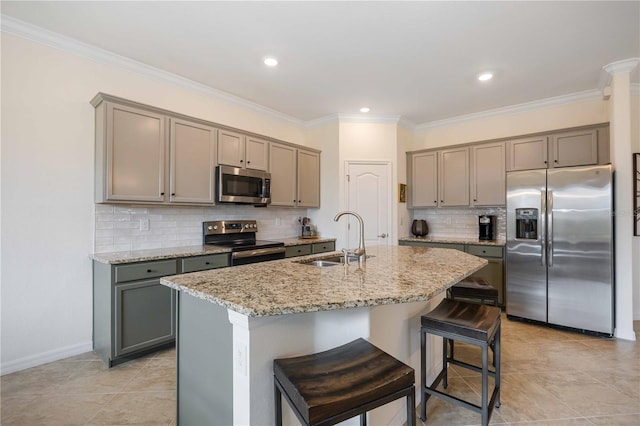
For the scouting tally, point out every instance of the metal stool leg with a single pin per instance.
(445, 364)
(423, 375)
(363, 419)
(278, 404)
(496, 363)
(411, 408)
(485, 385)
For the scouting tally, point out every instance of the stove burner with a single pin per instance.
(240, 236)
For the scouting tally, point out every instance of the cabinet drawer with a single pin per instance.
(433, 245)
(202, 263)
(485, 251)
(323, 247)
(139, 271)
(298, 250)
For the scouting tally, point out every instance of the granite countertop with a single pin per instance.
(455, 240)
(297, 241)
(397, 274)
(119, 257)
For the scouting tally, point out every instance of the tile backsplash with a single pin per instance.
(447, 222)
(123, 228)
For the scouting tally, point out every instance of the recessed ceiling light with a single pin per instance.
(271, 62)
(365, 109)
(485, 76)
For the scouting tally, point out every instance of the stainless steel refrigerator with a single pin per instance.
(559, 263)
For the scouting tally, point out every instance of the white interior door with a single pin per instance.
(369, 195)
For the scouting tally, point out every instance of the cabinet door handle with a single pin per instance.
(206, 263)
(173, 194)
(248, 162)
(382, 235)
(241, 161)
(150, 271)
(162, 193)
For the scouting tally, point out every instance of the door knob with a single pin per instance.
(382, 235)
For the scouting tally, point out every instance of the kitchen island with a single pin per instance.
(233, 322)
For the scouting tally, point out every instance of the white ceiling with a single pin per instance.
(417, 60)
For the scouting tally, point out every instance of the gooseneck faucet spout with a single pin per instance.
(360, 251)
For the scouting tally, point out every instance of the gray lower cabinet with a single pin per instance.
(133, 314)
(144, 316)
(493, 272)
(301, 250)
(323, 247)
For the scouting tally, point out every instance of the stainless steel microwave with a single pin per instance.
(242, 186)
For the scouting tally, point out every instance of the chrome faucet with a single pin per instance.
(360, 251)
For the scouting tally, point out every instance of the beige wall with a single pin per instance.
(513, 124)
(47, 187)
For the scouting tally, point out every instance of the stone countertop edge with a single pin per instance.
(119, 257)
(288, 286)
(297, 241)
(456, 240)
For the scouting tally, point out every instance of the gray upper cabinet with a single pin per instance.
(576, 148)
(439, 178)
(488, 178)
(256, 154)
(581, 147)
(131, 150)
(527, 153)
(238, 150)
(282, 164)
(308, 179)
(192, 148)
(453, 173)
(423, 191)
(231, 148)
(295, 176)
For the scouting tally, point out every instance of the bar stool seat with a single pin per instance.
(474, 288)
(470, 323)
(329, 387)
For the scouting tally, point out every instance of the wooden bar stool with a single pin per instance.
(470, 323)
(473, 289)
(329, 387)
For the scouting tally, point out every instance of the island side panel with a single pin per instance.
(204, 363)
(267, 338)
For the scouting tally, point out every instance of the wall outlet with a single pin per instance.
(144, 224)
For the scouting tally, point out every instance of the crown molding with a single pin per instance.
(361, 118)
(515, 109)
(39, 35)
(322, 120)
(607, 71)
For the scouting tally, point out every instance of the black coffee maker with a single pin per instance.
(486, 226)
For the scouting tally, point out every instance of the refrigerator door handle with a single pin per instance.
(550, 227)
(542, 229)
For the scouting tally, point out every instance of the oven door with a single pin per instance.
(245, 257)
(240, 186)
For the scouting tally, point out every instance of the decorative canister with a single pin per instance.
(419, 228)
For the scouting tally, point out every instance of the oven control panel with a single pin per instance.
(229, 227)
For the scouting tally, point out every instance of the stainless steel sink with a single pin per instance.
(321, 263)
(330, 261)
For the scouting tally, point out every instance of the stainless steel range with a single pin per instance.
(240, 236)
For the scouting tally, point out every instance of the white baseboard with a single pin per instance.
(45, 357)
(626, 334)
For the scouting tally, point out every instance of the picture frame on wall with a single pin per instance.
(402, 193)
(636, 194)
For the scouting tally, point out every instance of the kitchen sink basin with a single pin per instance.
(331, 261)
(321, 263)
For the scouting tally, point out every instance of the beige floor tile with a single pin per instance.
(95, 377)
(75, 409)
(43, 379)
(147, 408)
(158, 377)
(621, 420)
